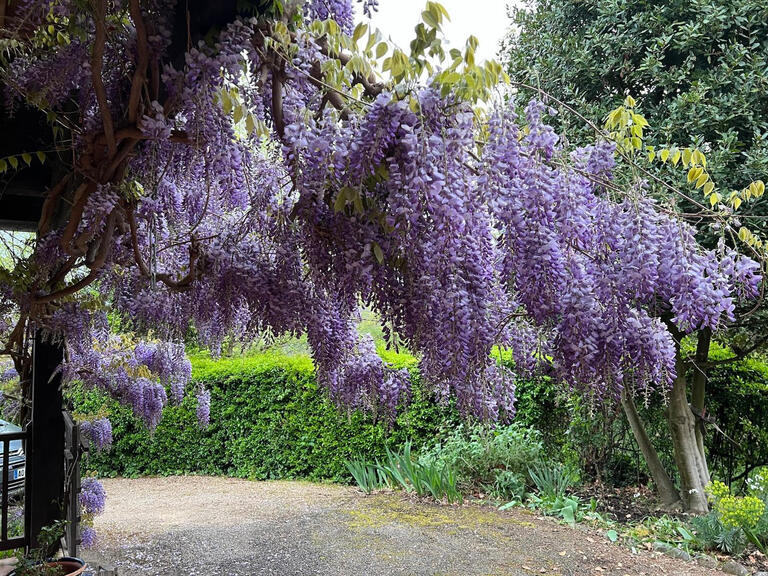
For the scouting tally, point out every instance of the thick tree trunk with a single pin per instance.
(666, 489)
(689, 454)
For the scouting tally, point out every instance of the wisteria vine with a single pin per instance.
(242, 192)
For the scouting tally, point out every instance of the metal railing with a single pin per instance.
(6, 542)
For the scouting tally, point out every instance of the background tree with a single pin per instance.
(697, 70)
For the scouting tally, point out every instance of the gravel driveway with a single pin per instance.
(197, 525)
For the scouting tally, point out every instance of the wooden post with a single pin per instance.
(45, 450)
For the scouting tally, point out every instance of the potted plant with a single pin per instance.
(36, 562)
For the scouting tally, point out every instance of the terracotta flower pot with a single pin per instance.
(67, 566)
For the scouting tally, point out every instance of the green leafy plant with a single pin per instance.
(495, 461)
(552, 481)
(368, 476)
(33, 563)
(737, 514)
(424, 477)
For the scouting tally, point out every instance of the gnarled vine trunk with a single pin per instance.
(687, 440)
(666, 488)
(685, 429)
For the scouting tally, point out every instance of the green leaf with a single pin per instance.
(341, 200)
(238, 114)
(14, 162)
(381, 49)
(429, 19)
(40, 156)
(27, 157)
(377, 251)
(612, 535)
(226, 102)
(568, 515)
(359, 32)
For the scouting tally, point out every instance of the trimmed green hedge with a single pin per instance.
(268, 420)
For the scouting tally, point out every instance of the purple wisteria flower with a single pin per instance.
(92, 496)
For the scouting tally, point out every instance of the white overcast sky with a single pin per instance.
(485, 19)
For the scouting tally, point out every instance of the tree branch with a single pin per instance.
(97, 63)
(140, 72)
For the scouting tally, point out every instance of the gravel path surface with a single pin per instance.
(199, 525)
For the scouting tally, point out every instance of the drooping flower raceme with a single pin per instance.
(92, 496)
(98, 432)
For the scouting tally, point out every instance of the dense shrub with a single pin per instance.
(268, 420)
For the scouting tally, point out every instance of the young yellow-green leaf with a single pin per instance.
(639, 119)
(744, 234)
(27, 157)
(714, 199)
(755, 189)
(708, 188)
(637, 143)
(3, 166)
(381, 49)
(664, 155)
(629, 102)
(676, 156)
(699, 158)
(40, 156)
(702, 179)
(14, 162)
(693, 173)
(736, 203)
(687, 154)
(250, 124)
(651, 155)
